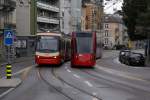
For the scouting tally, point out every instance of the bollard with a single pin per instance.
(8, 71)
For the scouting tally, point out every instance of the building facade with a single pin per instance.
(23, 18)
(35, 16)
(48, 15)
(72, 15)
(113, 31)
(7, 20)
(67, 16)
(76, 15)
(7, 8)
(91, 16)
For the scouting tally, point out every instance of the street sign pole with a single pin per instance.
(8, 42)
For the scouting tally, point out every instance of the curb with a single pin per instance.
(12, 88)
(12, 83)
(9, 85)
(6, 92)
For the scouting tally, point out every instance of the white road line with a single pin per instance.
(88, 83)
(94, 99)
(5, 93)
(69, 70)
(65, 67)
(94, 93)
(77, 76)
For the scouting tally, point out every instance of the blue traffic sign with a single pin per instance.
(8, 37)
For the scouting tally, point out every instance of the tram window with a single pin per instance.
(84, 43)
(47, 45)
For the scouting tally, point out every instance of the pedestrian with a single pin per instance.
(17, 53)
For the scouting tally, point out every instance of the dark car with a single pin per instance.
(123, 54)
(132, 58)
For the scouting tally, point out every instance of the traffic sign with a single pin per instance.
(8, 37)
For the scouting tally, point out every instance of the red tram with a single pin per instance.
(83, 49)
(50, 49)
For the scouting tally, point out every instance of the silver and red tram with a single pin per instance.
(49, 49)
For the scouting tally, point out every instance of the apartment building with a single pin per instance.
(113, 31)
(37, 16)
(48, 15)
(92, 15)
(34, 16)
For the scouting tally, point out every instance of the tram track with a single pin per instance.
(120, 85)
(53, 71)
(51, 85)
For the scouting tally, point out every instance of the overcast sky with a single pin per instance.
(109, 8)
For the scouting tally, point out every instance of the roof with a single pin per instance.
(109, 18)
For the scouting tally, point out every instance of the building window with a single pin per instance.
(106, 25)
(106, 41)
(106, 33)
(62, 24)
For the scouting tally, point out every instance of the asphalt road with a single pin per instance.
(66, 83)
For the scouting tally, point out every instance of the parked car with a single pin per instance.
(134, 59)
(122, 55)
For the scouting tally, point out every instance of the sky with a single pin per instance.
(109, 7)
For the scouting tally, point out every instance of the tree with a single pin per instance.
(135, 15)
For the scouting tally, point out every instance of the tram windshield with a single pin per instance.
(84, 43)
(47, 44)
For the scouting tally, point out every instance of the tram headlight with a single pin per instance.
(55, 57)
(38, 56)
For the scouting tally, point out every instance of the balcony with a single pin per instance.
(47, 20)
(7, 5)
(47, 7)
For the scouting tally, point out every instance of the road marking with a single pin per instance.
(69, 70)
(77, 76)
(66, 67)
(94, 93)
(121, 74)
(88, 83)
(38, 73)
(95, 99)
(5, 93)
